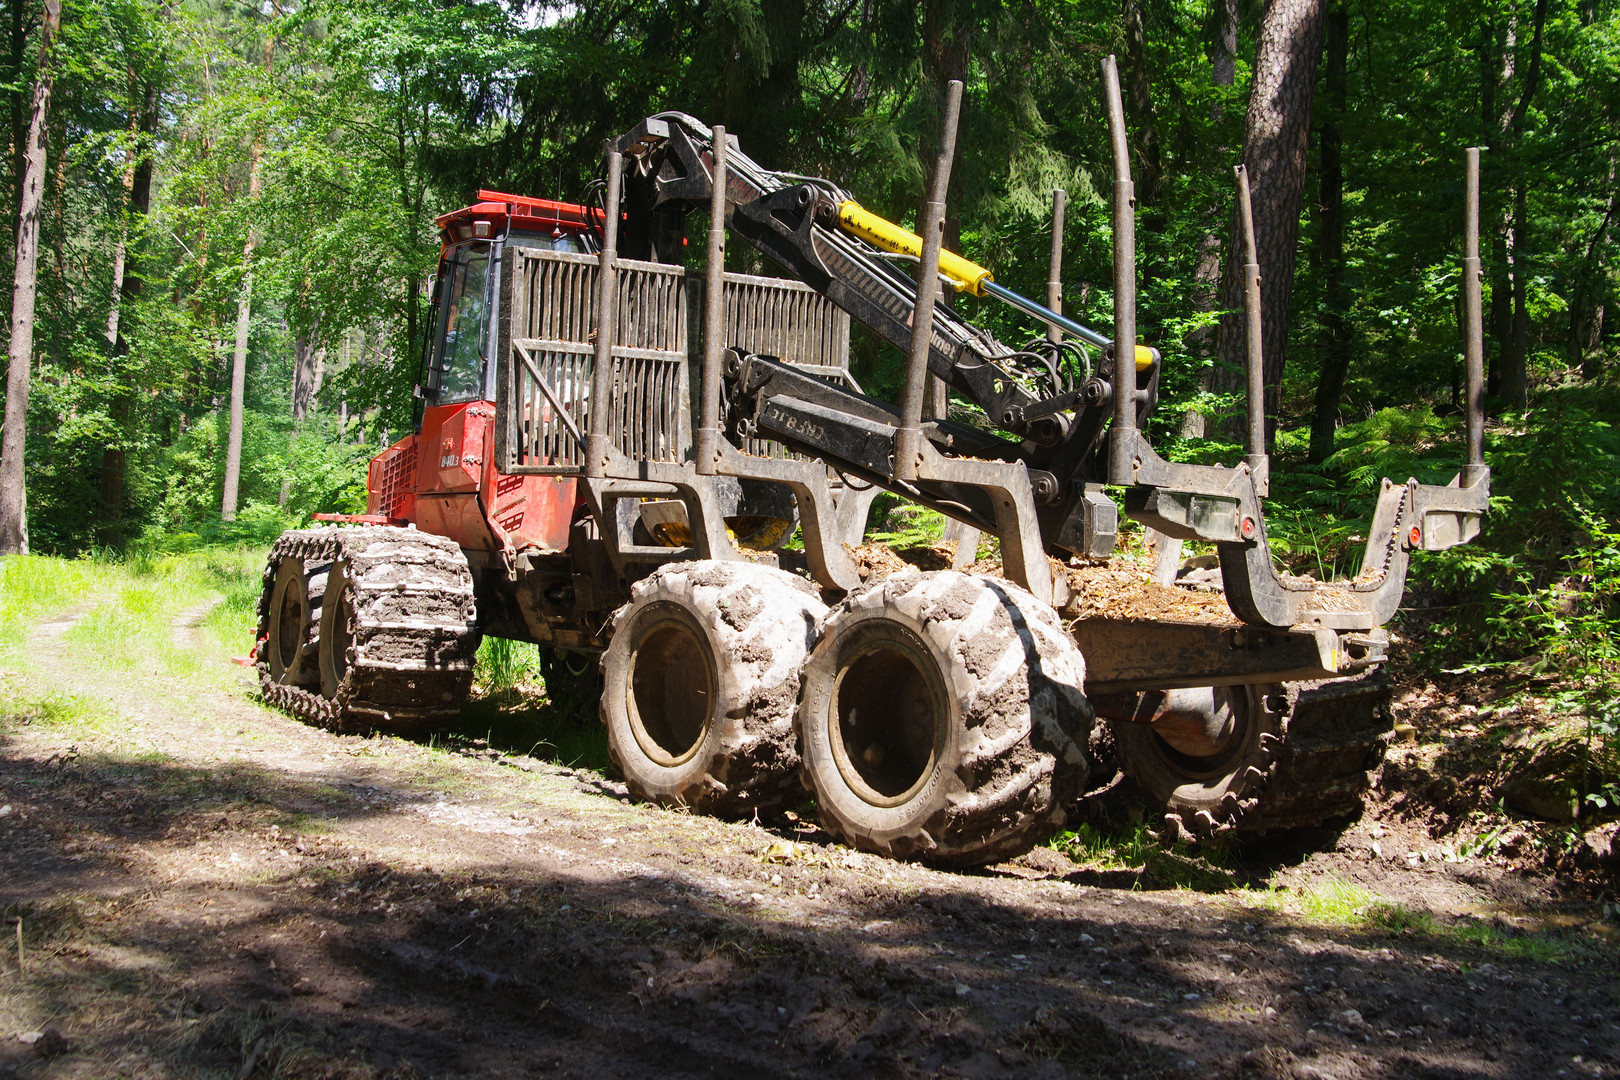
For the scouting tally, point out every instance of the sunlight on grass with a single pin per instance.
(1340, 903)
(33, 586)
(127, 617)
(1101, 849)
(67, 714)
(1331, 900)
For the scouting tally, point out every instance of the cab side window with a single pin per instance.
(458, 368)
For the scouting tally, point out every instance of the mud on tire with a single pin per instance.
(1207, 776)
(390, 643)
(944, 719)
(700, 681)
(1338, 731)
(1300, 757)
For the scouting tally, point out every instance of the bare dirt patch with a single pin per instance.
(208, 888)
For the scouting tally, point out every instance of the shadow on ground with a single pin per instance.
(183, 921)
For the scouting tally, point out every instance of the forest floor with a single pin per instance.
(194, 885)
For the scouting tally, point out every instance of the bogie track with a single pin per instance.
(389, 645)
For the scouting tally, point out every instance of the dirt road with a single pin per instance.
(208, 888)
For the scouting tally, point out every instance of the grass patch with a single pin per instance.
(130, 606)
(1101, 848)
(1331, 900)
(534, 702)
(1134, 848)
(67, 714)
(1336, 902)
(33, 586)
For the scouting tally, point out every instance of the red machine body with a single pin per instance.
(443, 478)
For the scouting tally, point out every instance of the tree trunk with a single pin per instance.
(947, 45)
(14, 434)
(1336, 298)
(1139, 101)
(244, 316)
(1276, 137)
(1497, 82)
(306, 359)
(1515, 383)
(1592, 289)
(126, 287)
(1206, 274)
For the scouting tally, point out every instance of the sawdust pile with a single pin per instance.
(874, 562)
(1118, 589)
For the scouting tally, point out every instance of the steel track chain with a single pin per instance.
(397, 694)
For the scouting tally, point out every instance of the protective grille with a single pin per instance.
(552, 354)
(394, 478)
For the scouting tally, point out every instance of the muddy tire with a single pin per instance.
(293, 613)
(700, 682)
(391, 643)
(1205, 772)
(944, 719)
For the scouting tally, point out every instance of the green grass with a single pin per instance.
(1132, 847)
(68, 714)
(1106, 849)
(515, 711)
(34, 586)
(1339, 903)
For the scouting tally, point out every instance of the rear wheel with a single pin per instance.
(1207, 755)
(943, 718)
(700, 682)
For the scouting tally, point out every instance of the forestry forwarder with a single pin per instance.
(945, 716)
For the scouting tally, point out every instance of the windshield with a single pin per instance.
(458, 369)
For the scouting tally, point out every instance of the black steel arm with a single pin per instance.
(792, 221)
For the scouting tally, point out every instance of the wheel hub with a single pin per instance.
(888, 719)
(671, 693)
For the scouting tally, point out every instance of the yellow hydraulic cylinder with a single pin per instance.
(963, 275)
(966, 276)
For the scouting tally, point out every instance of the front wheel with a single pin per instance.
(944, 719)
(699, 683)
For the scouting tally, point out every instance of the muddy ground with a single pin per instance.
(208, 888)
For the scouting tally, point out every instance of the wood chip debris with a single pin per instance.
(1118, 589)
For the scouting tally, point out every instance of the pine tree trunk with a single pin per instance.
(1276, 137)
(1496, 83)
(244, 318)
(1139, 101)
(14, 433)
(126, 287)
(1206, 274)
(1515, 382)
(947, 46)
(1336, 297)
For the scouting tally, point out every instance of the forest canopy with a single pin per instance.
(254, 186)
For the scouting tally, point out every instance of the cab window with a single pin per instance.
(458, 367)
